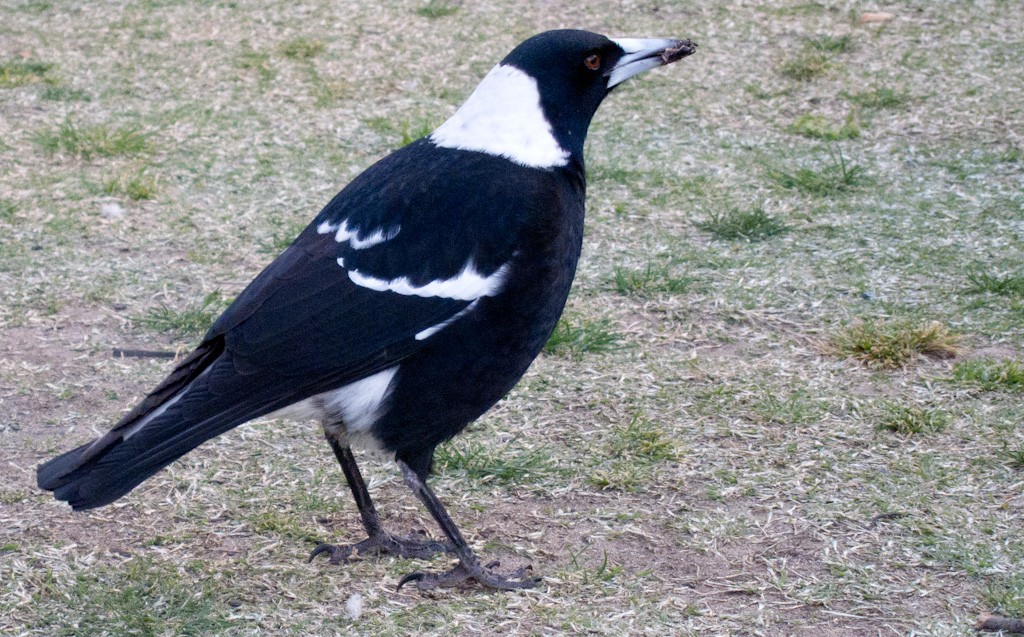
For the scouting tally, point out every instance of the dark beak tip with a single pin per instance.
(681, 49)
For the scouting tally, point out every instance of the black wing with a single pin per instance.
(324, 313)
(418, 217)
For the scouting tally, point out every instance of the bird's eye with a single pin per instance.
(593, 62)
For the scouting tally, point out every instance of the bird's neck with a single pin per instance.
(504, 117)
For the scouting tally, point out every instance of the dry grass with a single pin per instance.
(688, 461)
(893, 344)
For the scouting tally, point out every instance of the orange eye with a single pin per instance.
(593, 62)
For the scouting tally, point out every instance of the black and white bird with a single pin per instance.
(412, 303)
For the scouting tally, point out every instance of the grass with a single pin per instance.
(62, 93)
(832, 177)
(574, 337)
(807, 65)
(990, 374)
(734, 223)
(92, 141)
(249, 59)
(651, 279)
(509, 464)
(908, 420)
(631, 456)
(818, 127)
(15, 74)
(830, 43)
(142, 597)
(137, 186)
(7, 210)
(438, 9)
(1002, 284)
(892, 344)
(188, 323)
(302, 48)
(1004, 595)
(879, 97)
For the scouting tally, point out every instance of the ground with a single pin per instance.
(785, 400)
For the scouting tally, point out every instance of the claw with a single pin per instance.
(462, 574)
(411, 577)
(321, 548)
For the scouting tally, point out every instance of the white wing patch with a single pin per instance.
(343, 234)
(467, 285)
(504, 117)
(434, 329)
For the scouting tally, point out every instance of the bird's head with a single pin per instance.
(535, 107)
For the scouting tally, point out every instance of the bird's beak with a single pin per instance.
(643, 55)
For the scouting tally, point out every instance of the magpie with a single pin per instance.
(412, 303)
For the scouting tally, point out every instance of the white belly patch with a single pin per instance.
(349, 412)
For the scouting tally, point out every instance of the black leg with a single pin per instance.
(371, 522)
(469, 567)
(379, 540)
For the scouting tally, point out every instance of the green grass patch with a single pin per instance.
(830, 43)
(574, 337)
(878, 98)
(508, 464)
(818, 127)
(990, 374)
(15, 74)
(983, 282)
(90, 141)
(912, 419)
(831, 177)
(61, 93)
(136, 186)
(279, 523)
(806, 65)
(249, 59)
(141, 597)
(734, 223)
(7, 210)
(631, 456)
(651, 279)
(894, 344)
(301, 48)
(1004, 595)
(794, 408)
(1014, 457)
(189, 322)
(438, 9)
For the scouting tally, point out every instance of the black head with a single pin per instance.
(575, 70)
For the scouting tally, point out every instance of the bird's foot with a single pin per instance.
(463, 574)
(384, 543)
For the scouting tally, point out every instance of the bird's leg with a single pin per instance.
(469, 567)
(379, 540)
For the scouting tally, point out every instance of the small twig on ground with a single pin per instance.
(142, 353)
(1010, 625)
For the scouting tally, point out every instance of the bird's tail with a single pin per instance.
(186, 410)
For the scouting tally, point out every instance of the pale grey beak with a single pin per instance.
(646, 54)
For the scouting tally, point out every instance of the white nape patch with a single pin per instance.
(343, 234)
(430, 331)
(503, 116)
(641, 55)
(467, 285)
